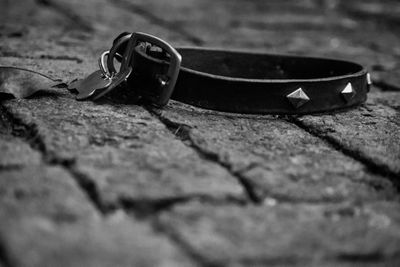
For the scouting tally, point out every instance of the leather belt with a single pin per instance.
(241, 82)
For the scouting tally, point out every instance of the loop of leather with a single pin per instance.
(246, 82)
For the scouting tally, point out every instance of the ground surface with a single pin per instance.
(86, 184)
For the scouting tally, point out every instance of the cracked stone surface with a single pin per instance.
(275, 157)
(48, 219)
(116, 184)
(284, 234)
(367, 131)
(124, 150)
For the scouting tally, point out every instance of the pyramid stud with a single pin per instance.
(298, 98)
(348, 92)
(369, 81)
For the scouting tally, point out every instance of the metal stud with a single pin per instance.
(369, 81)
(348, 92)
(298, 98)
(162, 81)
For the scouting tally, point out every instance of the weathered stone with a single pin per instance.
(15, 153)
(109, 20)
(127, 152)
(277, 158)
(289, 233)
(47, 221)
(370, 131)
(391, 99)
(43, 29)
(65, 70)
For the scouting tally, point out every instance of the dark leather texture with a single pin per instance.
(245, 82)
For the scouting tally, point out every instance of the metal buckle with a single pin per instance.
(167, 84)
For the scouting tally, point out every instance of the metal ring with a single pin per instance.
(113, 53)
(102, 63)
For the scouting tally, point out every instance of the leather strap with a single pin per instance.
(246, 82)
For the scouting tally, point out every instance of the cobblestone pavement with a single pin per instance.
(87, 184)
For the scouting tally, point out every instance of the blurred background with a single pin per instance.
(366, 31)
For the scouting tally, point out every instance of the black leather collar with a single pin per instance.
(246, 82)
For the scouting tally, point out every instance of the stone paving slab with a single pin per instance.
(125, 151)
(46, 220)
(18, 153)
(260, 235)
(368, 131)
(276, 158)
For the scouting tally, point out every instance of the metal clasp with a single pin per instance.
(167, 84)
